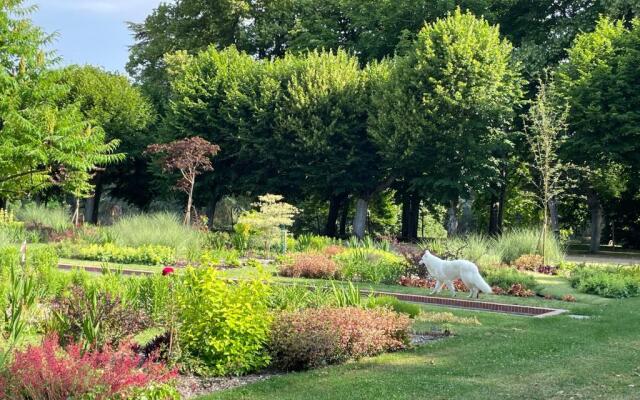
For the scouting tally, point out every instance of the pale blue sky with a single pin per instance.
(92, 31)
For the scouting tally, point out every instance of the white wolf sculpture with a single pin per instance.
(445, 272)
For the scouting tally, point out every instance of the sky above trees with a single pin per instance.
(92, 31)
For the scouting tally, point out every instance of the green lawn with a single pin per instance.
(507, 357)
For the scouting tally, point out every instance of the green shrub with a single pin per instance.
(224, 325)
(312, 243)
(390, 302)
(11, 230)
(220, 257)
(296, 297)
(217, 240)
(370, 265)
(615, 282)
(109, 252)
(505, 278)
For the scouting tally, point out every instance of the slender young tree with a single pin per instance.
(191, 157)
(546, 131)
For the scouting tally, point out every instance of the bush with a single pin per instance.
(315, 337)
(370, 265)
(50, 372)
(295, 297)
(528, 262)
(109, 252)
(224, 325)
(392, 303)
(615, 282)
(312, 243)
(308, 265)
(95, 318)
(56, 218)
(505, 278)
(11, 230)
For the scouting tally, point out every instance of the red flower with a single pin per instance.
(167, 271)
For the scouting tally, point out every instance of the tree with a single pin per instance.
(322, 121)
(109, 101)
(601, 83)
(448, 108)
(546, 131)
(44, 138)
(271, 216)
(191, 157)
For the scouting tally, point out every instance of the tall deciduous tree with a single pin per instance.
(191, 157)
(601, 82)
(448, 109)
(44, 138)
(109, 101)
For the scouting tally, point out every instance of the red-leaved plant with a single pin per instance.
(309, 265)
(50, 372)
(314, 337)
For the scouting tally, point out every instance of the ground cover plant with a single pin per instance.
(617, 282)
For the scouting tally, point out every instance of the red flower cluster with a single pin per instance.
(167, 271)
(48, 371)
(315, 337)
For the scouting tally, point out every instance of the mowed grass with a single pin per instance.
(507, 357)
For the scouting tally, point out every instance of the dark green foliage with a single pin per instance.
(617, 282)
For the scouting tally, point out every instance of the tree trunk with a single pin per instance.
(452, 218)
(92, 204)
(410, 216)
(187, 214)
(553, 218)
(3, 203)
(502, 199)
(360, 218)
(335, 202)
(494, 215)
(595, 208)
(344, 218)
(211, 210)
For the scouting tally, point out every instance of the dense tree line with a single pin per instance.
(348, 107)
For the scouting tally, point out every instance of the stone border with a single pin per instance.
(467, 304)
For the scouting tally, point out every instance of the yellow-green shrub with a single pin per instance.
(109, 252)
(370, 265)
(224, 325)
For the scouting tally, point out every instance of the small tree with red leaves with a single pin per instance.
(190, 156)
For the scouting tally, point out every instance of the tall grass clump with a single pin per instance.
(515, 243)
(162, 229)
(53, 216)
(487, 251)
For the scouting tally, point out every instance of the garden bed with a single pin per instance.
(478, 305)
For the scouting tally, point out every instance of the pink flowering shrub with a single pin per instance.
(49, 372)
(314, 337)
